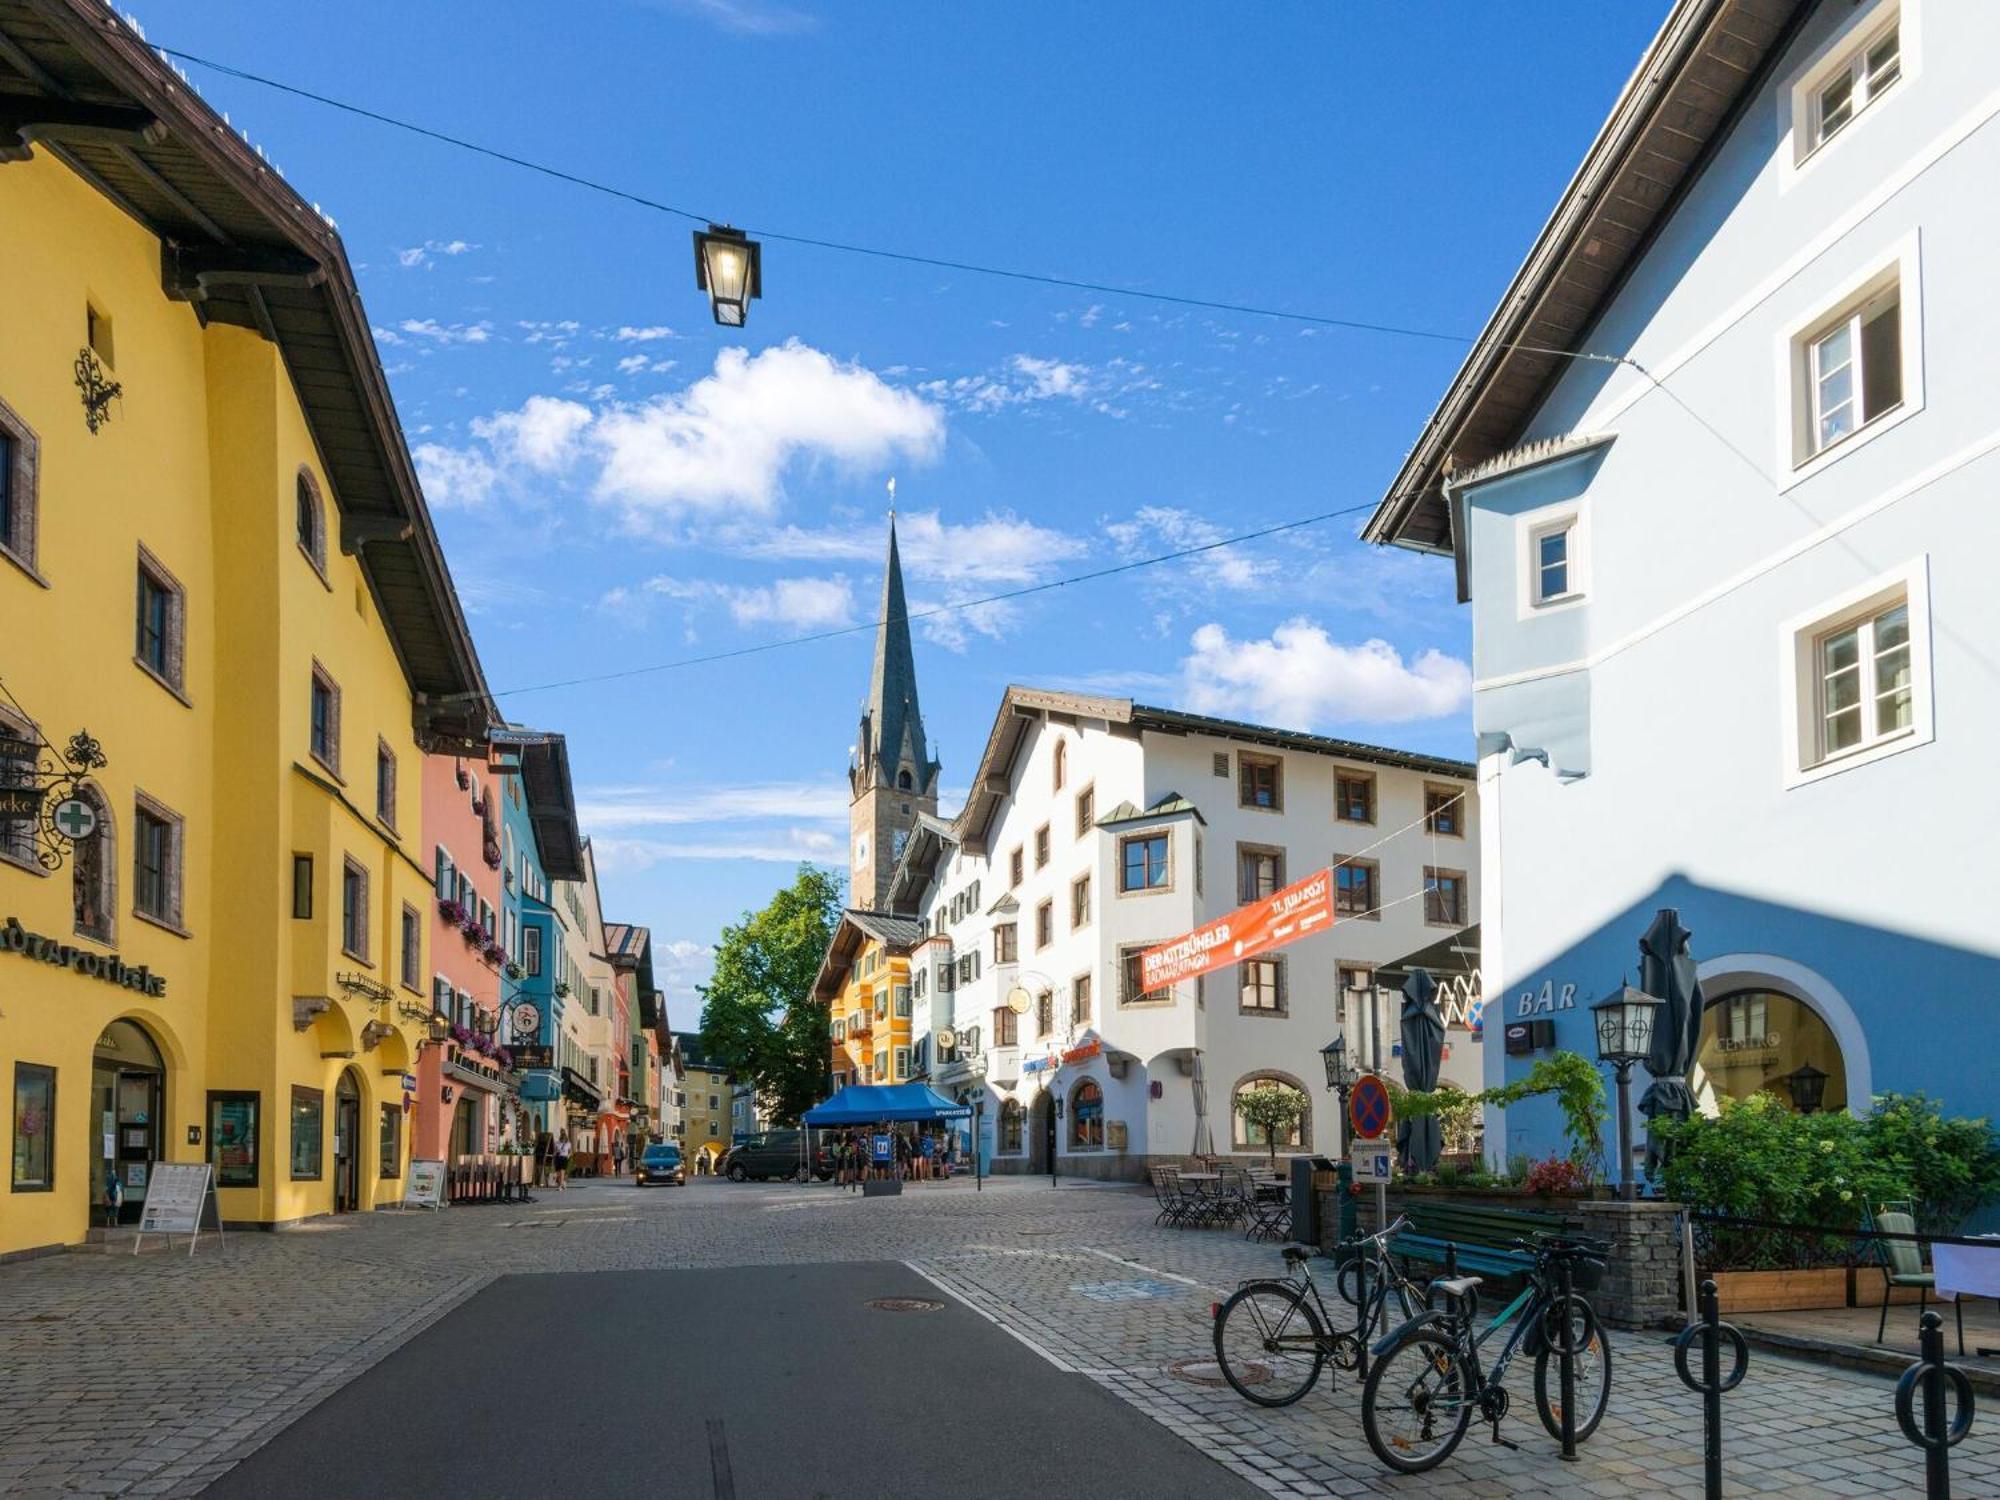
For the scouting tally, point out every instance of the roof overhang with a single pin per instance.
(544, 768)
(1700, 72)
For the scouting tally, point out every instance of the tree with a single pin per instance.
(758, 1015)
(1273, 1108)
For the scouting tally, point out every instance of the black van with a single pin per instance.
(775, 1153)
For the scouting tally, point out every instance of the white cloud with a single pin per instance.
(429, 250)
(447, 333)
(1300, 677)
(630, 335)
(454, 478)
(679, 967)
(542, 435)
(1023, 379)
(644, 806)
(955, 628)
(786, 847)
(543, 331)
(801, 603)
(632, 364)
(1154, 529)
(999, 548)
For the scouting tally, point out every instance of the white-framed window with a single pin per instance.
(1857, 676)
(1553, 545)
(1853, 367)
(1555, 572)
(1858, 68)
(902, 1063)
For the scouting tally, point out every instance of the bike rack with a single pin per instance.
(1937, 1436)
(1711, 1331)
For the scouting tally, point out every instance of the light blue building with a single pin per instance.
(1721, 483)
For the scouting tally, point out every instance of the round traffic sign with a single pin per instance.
(1368, 1108)
(75, 819)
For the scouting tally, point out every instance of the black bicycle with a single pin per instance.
(1274, 1334)
(1426, 1381)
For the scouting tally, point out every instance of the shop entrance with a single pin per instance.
(465, 1132)
(128, 1093)
(1042, 1131)
(346, 1145)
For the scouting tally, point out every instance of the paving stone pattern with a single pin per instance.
(150, 1376)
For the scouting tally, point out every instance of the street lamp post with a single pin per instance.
(1340, 1078)
(728, 265)
(1624, 1037)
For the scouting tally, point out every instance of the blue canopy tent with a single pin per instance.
(883, 1103)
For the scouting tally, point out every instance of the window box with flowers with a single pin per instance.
(451, 911)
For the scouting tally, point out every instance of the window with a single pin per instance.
(1554, 575)
(325, 740)
(97, 333)
(1079, 902)
(1059, 765)
(94, 871)
(1045, 1012)
(233, 1137)
(1012, 1122)
(1251, 1137)
(918, 981)
(531, 950)
(385, 784)
(1086, 810)
(1857, 80)
(310, 521)
(1086, 1117)
(1262, 986)
(354, 910)
(1260, 872)
(713, 1128)
(1006, 944)
(447, 875)
(1129, 992)
(902, 1001)
(1006, 1028)
(20, 743)
(1864, 681)
(1041, 846)
(486, 926)
(1444, 811)
(1045, 924)
(412, 951)
(1221, 764)
(1354, 893)
(1444, 897)
(442, 997)
(1080, 1000)
(34, 1168)
(1354, 797)
(308, 1133)
(391, 1141)
(1854, 370)
(902, 1064)
(881, 1005)
(19, 454)
(156, 863)
(1350, 980)
(302, 887)
(162, 615)
(1014, 869)
(1260, 781)
(1142, 862)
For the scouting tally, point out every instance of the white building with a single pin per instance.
(1733, 622)
(1097, 828)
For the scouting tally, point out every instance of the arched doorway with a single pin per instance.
(128, 1091)
(1042, 1131)
(1756, 1040)
(347, 1144)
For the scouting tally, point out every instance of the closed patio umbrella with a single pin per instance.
(1667, 972)
(1204, 1138)
(1420, 1140)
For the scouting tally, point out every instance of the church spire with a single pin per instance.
(896, 723)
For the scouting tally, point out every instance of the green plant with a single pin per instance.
(1948, 1167)
(1273, 1108)
(1574, 1081)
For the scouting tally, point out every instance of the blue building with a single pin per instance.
(539, 843)
(1717, 481)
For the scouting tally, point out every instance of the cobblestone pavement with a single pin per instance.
(152, 1375)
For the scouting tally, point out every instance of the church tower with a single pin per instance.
(892, 777)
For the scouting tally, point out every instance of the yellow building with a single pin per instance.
(864, 982)
(705, 1087)
(230, 968)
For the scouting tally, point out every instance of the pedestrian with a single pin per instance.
(929, 1150)
(545, 1149)
(902, 1144)
(618, 1157)
(562, 1162)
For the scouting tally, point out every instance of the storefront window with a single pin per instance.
(232, 1138)
(1086, 1117)
(1010, 1127)
(34, 1128)
(392, 1140)
(1756, 1042)
(308, 1133)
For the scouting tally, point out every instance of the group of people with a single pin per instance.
(887, 1154)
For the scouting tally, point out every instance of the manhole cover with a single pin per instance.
(1200, 1371)
(905, 1304)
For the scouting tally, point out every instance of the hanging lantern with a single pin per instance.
(727, 265)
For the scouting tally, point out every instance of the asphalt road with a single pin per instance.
(750, 1383)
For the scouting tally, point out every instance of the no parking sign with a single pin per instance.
(1368, 1108)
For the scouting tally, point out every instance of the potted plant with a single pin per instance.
(1274, 1109)
(513, 969)
(451, 911)
(494, 953)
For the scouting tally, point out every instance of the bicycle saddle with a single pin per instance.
(1296, 1252)
(1456, 1286)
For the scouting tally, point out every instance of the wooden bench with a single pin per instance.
(1481, 1239)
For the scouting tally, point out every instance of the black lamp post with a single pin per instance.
(1624, 1037)
(728, 266)
(1341, 1078)
(1807, 1086)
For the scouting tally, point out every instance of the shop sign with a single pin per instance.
(1548, 1001)
(16, 939)
(175, 1194)
(1084, 1051)
(1284, 916)
(424, 1188)
(533, 1057)
(18, 804)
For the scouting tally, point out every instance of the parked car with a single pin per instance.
(662, 1162)
(775, 1153)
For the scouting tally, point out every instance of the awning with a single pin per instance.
(869, 1104)
(1453, 961)
(579, 1090)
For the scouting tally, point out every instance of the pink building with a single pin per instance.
(461, 1085)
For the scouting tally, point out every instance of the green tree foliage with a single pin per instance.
(1572, 1078)
(1273, 1108)
(758, 1014)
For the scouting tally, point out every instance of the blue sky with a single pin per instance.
(620, 483)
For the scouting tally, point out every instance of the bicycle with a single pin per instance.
(1274, 1335)
(1426, 1381)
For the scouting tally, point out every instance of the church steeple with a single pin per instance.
(892, 777)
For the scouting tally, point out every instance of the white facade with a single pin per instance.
(1165, 796)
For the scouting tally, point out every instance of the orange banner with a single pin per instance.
(1282, 917)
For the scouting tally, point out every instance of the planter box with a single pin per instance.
(1780, 1291)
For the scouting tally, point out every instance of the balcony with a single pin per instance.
(1004, 1065)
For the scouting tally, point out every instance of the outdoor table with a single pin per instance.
(1968, 1271)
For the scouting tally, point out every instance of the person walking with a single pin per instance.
(928, 1148)
(562, 1162)
(618, 1157)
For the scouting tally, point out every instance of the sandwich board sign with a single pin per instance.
(425, 1187)
(176, 1194)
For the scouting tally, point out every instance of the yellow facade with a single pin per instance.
(871, 1017)
(198, 471)
(706, 1113)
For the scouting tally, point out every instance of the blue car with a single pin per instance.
(661, 1162)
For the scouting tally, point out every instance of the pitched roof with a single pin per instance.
(694, 1055)
(242, 247)
(854, 926)
(1680, 103)
(1168, 806)
(897, 932)
(896, 723)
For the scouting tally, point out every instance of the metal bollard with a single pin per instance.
(1936, 1436)
(1566, 1352)
(1711, 1331)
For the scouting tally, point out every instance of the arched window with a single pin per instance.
(1011, 1127)
(1248, 1135)
(310, 520)
(94, 871)
(1086, 1117)
(1764, 1042)
(1061, 764)
(903, 781)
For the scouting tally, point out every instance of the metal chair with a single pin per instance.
(1903, 1266)
(1270, 1213)
(1167, 1193)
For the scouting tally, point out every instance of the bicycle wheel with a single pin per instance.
(1269, 1342)
(1417, 1403)
(1593, 1371)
